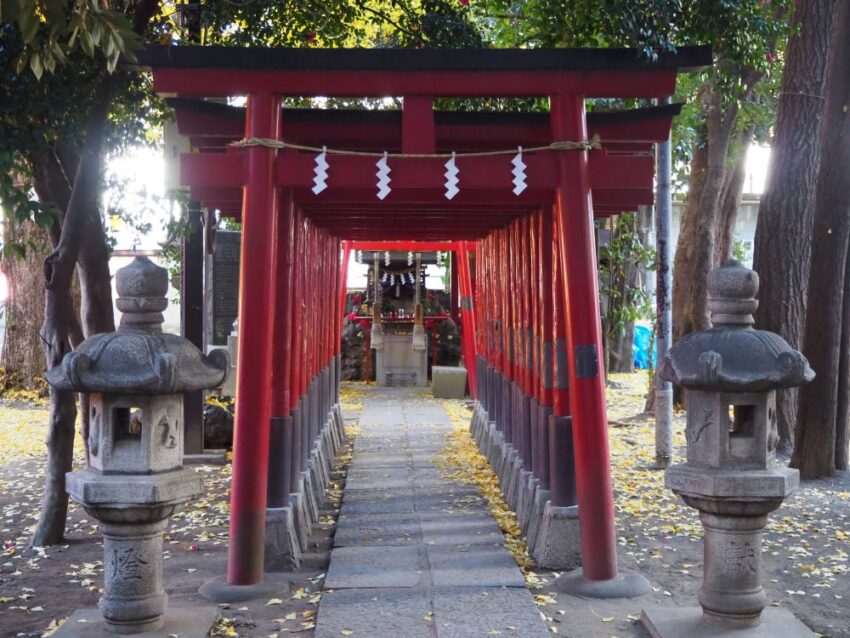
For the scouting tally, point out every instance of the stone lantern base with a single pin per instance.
(688, 622)
(184, 622)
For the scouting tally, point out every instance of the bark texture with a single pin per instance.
(818, 420)
(842, 410)
(782, 241)
(22, 358)
(687, 246)
(730, 199)
(695, 247)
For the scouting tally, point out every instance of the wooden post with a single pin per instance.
(467, 316)
(280, 440)
(587, 391)
(253, 389)
(192, 320)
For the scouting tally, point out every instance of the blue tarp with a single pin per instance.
(640, 347)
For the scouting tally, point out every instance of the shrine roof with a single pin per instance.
(226, 71)
(685, 59)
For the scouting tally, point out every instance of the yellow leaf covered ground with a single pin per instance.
(23, 431)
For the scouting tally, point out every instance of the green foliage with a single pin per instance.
(42, 123)
(172, 248)
(51, 30)
(624, 251)
(741, 250)
(747, 37)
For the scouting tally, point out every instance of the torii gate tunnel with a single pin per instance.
(530, 311)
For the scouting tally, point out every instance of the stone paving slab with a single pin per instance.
(387, 478)
(473, 566)
(378, 529)
(370, 567)
(460, 529)
(416, 554)
(389, 506)
(477, 612)
(373, 613)
(451, 501)
(377, 495)
(380, 460)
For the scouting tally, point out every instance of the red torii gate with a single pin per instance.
(292, 236)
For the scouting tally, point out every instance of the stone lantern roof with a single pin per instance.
(732, 356)
(139, 358)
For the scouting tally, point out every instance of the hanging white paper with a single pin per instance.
(383, 176)
(320, 172)
(451, 178)
(519, 173)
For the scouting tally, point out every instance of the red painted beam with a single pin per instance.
(218, 170)
(606, 202)
(199, 82)
(403, 246)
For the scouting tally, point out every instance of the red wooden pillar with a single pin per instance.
(297, 357)
(467, 316)
(534, 339)
(515, 296)
(545, 276)
(343, 285)
(503, 259)
(280, 444)
(454, 295)
(283, 314)
(587, 390)
(253, 385)
(560, 433)
(507, 331)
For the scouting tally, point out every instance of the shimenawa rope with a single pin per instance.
(587, 145)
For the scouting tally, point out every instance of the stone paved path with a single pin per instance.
(416, 555)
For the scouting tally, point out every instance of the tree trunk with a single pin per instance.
(782, 255)
(22, 357)
(620, 357)
(686, 245)
(842, 417)
(695, 246)
(59, 309)
(730, 199)
(96, 310)
(60, 325)
(817, 417)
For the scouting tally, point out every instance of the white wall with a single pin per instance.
(745, 229)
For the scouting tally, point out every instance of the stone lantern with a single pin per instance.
(135, 479)
(731, 374)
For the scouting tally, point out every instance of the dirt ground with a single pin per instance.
(39, 588)
(806, 545)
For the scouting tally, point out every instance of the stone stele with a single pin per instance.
(135, 479)
(731, 373)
